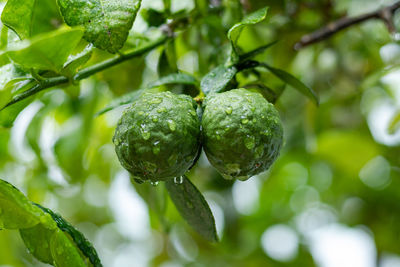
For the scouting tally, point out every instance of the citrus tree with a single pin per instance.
(200, 133)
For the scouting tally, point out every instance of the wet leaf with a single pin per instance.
(193, 207)
(44, 52)
(106, 22)
(294, 82)
(218, 79)
(16, 210)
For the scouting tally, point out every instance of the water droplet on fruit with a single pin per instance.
(155, 101)
(171, 125)
(161, 110)
(244, 119)
(154, 183)
(157, 147)
(249, 142)
(178, 180)
(228, 110)
(146, 135)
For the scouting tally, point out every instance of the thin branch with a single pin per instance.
(385, 14)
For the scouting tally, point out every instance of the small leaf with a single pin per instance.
(394, 125)
(193, 207)
(22, 16)
(75, 62)
(16, 210)
(175, 78)
(106, 22)
(47, 51)
(251, 19)
(217, 80)
(294, 82)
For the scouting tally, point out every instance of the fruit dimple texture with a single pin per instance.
(157, 138)
(242, 133)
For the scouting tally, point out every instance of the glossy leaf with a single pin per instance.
(79, 239)
(75, 62)
(294, 82)
(106, 22)
(29, 17)
(193, 207)
(37, 240)
(44, 52)
(217, 80)
(16, 210)
(251, 19)
(64, 251)
(9, 114)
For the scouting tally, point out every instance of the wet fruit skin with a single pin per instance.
(158, 137)
(242, 133)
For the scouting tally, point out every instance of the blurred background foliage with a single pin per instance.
(331, 199)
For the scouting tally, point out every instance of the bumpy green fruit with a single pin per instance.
(158, 137)
(242, 133)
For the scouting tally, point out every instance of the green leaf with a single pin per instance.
(37, 240)
(8, 115)
(75, 62)
(294, 82)
(16, 210)
(175, 78)
(85, 247)
(235, 31)
(64, 251)
(44, 52)
(29, 17)
(17, 15)
(6, 75)
(107, 22)
(217, 80)
(193, 207)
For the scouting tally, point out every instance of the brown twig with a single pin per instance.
(385, 14)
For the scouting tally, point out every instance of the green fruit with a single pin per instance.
(242, 133)
(158, 137)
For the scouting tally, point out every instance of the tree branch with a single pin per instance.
(385, 14)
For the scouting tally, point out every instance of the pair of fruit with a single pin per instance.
(160, 136)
